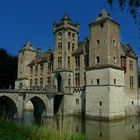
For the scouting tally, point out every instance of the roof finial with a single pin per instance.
(66, 17)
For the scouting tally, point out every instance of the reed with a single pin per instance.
(12, 131)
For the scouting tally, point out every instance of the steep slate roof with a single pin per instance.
(128, 50)
(103, 15)
(81, 46)
(66, 17)
(28, 46)
(41, 57)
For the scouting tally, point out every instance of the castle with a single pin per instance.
(98, 75)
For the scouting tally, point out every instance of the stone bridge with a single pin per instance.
(45, 102)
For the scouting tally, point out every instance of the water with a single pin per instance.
(127, 129)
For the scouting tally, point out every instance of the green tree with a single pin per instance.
(8, 69)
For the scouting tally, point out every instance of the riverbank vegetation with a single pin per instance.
(11, 131)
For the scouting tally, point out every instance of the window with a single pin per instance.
(41, 68)
(77, 79)
(69, 34)
(69, 81)
(77, 61)
(98, 42)
(36, 69)
(72, 47)
(60, 34)
(31, 82)
(41, 82)
(36, 82)
(114, 81)
(49, 67)
(73, 35)
(49, 80)
(97, 59)
(77, 101)
(59, 62)
(98, 81)
(114, 59)
(68, 45)
(84, 78)
(68, 62)
(114, 42)
(101, 24)
(91, 81)
(31, 69)
(131, 65)
(123, 63)
(60, 46)
(100, 103)
(131, 82)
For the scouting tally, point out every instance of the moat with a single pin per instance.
(126, 129)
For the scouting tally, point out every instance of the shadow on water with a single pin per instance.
(127, 129)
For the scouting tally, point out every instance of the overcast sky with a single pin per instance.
(23, 20)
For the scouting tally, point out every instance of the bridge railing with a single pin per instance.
(48, 90)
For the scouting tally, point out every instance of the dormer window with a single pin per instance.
(100, 14)
(101, 24)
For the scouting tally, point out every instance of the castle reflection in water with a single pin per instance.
(126, 129)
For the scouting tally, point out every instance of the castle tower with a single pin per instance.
(66, 42)
(25, 56)
(104, 41)
(105, 77)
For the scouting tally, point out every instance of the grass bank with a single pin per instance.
(11, 131)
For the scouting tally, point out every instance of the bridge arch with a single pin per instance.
(38, 104)
(8, 107)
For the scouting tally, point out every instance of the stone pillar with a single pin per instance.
(20, 106)
(50, 106)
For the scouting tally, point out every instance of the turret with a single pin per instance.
(25, 56)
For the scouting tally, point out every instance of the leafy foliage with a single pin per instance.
(8, 69)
